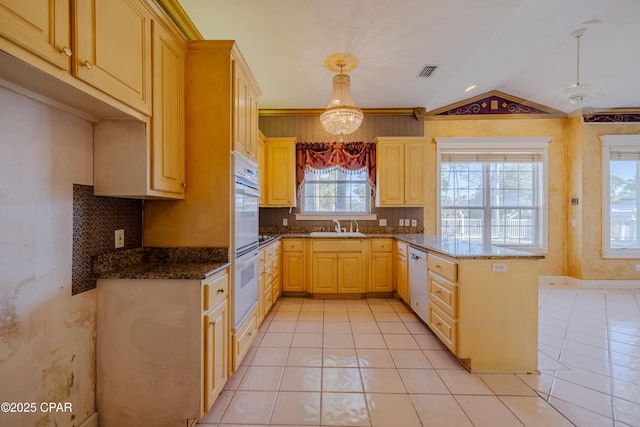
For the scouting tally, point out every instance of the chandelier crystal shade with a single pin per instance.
(341, 116)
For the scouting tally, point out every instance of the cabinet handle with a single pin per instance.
(438, 291)
(184, 185)
(88, 65)
(212, 323)
(438, 324)
(250, 333)
(221, 291)
(438, 266)
(65, 51)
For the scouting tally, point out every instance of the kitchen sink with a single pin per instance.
(336, 234)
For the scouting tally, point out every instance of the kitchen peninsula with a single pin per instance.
(482, 299)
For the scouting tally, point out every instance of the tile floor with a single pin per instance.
(374, 363)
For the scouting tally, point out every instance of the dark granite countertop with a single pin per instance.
(161, 263)
(448, 246)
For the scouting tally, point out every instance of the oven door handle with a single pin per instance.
(243, 264)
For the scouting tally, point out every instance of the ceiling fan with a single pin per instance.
(578, 92)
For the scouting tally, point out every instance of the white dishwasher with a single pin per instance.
(418, 283)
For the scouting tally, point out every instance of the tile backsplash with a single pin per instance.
(95, 220)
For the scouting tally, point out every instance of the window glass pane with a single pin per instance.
(512, 226)
(623, 205)
(461, 184)
(466, 224)
(335, 190)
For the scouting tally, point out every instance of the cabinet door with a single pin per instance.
(281, 173)
(216, 362)
(262, 169)
(415, 180)
(40, 27)
(324, 273)
(168, 139)
(113, 49)
(381, 272)
(293, 272)
(241, 105)
(402, 278)
(390, 165)
(350, 277)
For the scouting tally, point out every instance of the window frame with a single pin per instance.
(488, 145)
(305, 215)
(614, 143)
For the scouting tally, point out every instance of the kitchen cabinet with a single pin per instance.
(98, 52)
(262, 169)
(276, 281)
(443, 300)
(205, 217)
(179, 328)
(40, 27)
(381, 276)
(146, 158)
(112, 49)
(261, 287)
(243, 337)
(269, 288)
(401, 171)
(337, 266)
(245, 111)
(402, 271)
(280, 159)
(293, 265)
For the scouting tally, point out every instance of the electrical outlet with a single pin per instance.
(383, 222)
(285, 221)
(401, 223)
(638, 267)
(499, 267)
(406, 222)
(414, 222)
(119, 239)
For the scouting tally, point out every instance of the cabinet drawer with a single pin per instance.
(381, 245)
(445, 268)
(402, 249)
(215, 290)
(444, 327)
(243, 338)
(261, 261)
(444, 294)
(345, 245)
(292, 245)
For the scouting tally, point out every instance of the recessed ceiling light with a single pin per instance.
(472, 87)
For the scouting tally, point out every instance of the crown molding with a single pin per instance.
(180, 19)
(418, 112)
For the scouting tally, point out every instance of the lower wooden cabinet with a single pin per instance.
(293, 265)
(402, 271)
(381, 271)
(443, 300)
(243, 338)
(162, 349)
(337, 266)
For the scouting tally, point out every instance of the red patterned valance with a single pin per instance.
(346, 155)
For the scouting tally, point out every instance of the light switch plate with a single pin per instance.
(383, 222)
(119, 235)
(285, 221)
(414, 222)
(401, 223)
(499, 267)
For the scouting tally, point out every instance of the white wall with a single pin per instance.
(47, 336)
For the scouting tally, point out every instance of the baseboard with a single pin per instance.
(91, 421)
(588, 284)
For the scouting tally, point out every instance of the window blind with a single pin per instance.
(624, 154)
(493, 157)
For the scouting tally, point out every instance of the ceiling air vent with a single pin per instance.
(427, 70)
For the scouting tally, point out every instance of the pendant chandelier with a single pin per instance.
(341, 116)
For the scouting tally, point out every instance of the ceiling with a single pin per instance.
(521, 47)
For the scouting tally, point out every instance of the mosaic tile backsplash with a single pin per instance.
(95, 220)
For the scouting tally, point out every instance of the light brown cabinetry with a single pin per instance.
(401, 171)
(146, 158)
(293, 265)
(269, 287)
(402, 271)
(443, 300)
(262, 169)
(243, 337)
(245, 110)
(112, 49)
(40, 27)
(337, 266)
(381, 276)
(177, 327)
(280, 170)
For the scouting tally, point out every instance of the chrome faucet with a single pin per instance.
(338, 229)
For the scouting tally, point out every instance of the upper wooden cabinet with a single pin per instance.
(104, 43)
(40, 27)
(146, 159)
(262, 169)
(280, 159)
(113, 49)
(401, 171)
(245, 110)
